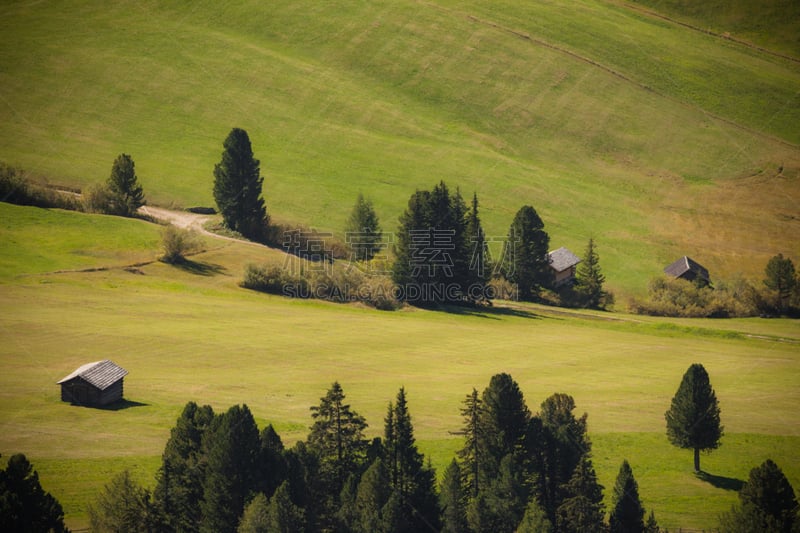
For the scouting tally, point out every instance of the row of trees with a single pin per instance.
(517, 471)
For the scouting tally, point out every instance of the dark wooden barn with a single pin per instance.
(94, 384)
(689, 270)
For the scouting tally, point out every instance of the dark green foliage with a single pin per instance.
(127, 195)
(500, 506)
(680, 298)
(525, 260)
(535, 520)
(273, 468)
(651, 526)
(504, 422)
(375, 507)
(480, 261)
(256, 516)
(179, 489)
(452, 500)
(693, 418)
(410, 478)
(237, 187)
(565, 443)
(767, 503)
(337, 439)
(582, 507)
(283, 516)
(627, 513)
(363, 230)
(16, 188)
(232, 446)
(123, 506)
(780, 277)
(472, 454)
(24, 505)
(434, 253)
(589, 280)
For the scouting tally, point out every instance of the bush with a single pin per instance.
(379, 292)
(16, 188)
(178, 243)
(275, 280)
(98, 199)
(679, 298)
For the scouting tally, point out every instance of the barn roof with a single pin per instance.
(563, 259)
(101, 374)
(686, 264)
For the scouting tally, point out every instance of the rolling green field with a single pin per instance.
(656, 139)
(193, 334)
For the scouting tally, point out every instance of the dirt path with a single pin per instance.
(190, 221)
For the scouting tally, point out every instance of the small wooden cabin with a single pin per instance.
(563, 263)
(94, 384)
(687, 269)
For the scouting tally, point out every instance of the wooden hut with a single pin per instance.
(94, 384)
(687, 269)
(563, 263)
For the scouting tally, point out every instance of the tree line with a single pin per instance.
(516, 471)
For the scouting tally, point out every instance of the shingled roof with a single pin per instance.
(563, 259)
(101, 374)
(684, 266)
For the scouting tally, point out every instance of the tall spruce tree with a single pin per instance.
(452, 501)
(589, 279)
(233, 447)
(337, 438)
(411, 478)
(780, 277)
(237, 187)
(272, 464)
(480, 261)
(582, 508)
(627, 513)
(525, 260)
(363, 230)
(127, 195)
(24, 504)
(504, 422)
(472, 454)
(693, 418)
(535, 520)
(179, 487)
(123, 505)
(283, 516)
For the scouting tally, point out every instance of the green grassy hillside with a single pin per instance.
(193, 334)
(658, 140)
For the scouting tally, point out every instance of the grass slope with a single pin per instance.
(193, 334)
(658, 140)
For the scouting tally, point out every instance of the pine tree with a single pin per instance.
(24, 504)
(535, 520)
(237, 187)
(127, 194)
(525, 260)
(651, 526)
(233, 447)
(122, 506)
(363, 230)
(767, 503)
(627, 514)
(452, 498)
(372, 511)
(582, 509)
(504, 422)
(471, 455)
(337, 438)
(589, 279)
(179, 487)
(411, 479)
(480, 262)
(693, 418)
(256, 516)
(283, 516)
(780, 277)
(273, 468)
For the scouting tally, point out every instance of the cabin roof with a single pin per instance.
(562, 259)
(686, 264)
(101, 374)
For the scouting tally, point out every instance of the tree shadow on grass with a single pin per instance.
(200, 269)
(721, 482)
(121, 405)
(492, 313)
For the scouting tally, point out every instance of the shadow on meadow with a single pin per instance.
(721, 482)
(200, 269)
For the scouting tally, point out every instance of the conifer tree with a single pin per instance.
(411, 479)
(582, 509)
(535, 519)
(179, 486)
(272, 464)
(127, 194)
(525, 260)
(480, 261)
(472, 454)
(123, 505)
(780, 277)
(237, 187)
(363, 230)
(337, 438)
(589, 279)
(256, 516)
(767, 503)
(452, 498)
(627, 514)
(24, 504)
(233, 447)
(693, 418)
(504, 422)
(283, 516)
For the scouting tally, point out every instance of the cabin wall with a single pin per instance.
(79, 392)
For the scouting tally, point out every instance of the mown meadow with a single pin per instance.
(192, 334)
